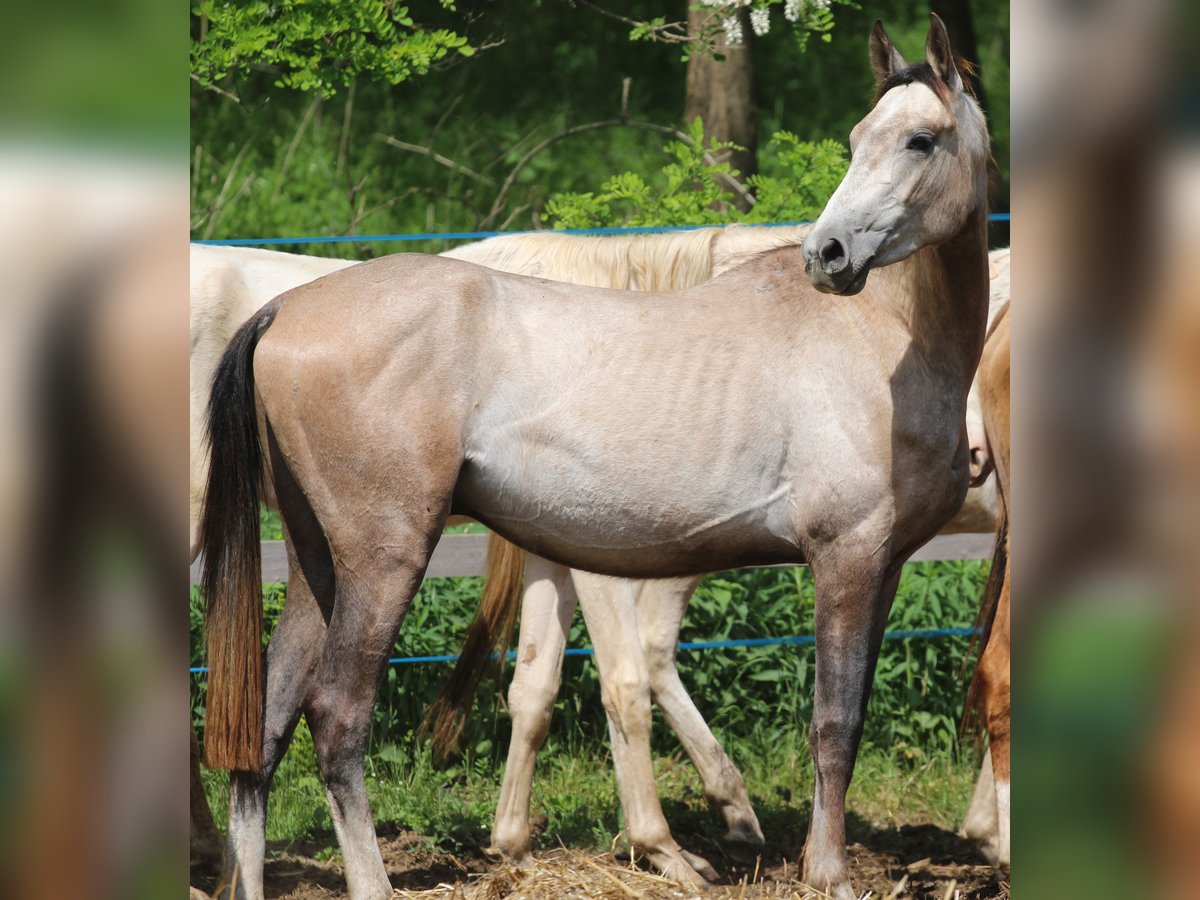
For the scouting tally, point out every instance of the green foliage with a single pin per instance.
(693, 189)
(687, 192)
(815, 19)
(796, 179)
(318, 45)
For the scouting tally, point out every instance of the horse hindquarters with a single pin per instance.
(376, 514)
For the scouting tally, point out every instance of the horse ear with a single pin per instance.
(939, 55)
(885, 58)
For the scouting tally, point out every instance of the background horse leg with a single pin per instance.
(981, 823)
(853, 598)
(661, 605)
(547, 606)
(610, 611)
(205, 838)
(994, 665)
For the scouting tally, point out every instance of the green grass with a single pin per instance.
(576, 791)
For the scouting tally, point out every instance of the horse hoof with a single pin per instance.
(500, 854)
(700, 866)
(744, 835)
(841, 891)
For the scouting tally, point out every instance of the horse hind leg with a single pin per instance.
(661, 605)
(997, 703)
(291, 657)
(981, 823)
(547, 606)
(377, 572)
(610, 611)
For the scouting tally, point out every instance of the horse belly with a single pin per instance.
(648, 510)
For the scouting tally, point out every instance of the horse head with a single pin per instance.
(918, 168)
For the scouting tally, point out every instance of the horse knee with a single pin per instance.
(997, 696)
(338, 736)
(660, 667)
(626, 696)
(531, 703)
(833, 741)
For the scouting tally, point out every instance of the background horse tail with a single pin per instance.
(232, 580)
(973, 712)
(488, 639)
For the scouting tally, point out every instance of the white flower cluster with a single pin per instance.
(733, 31)
(760, 20)
(792, 9)
(820, 4)
(732, 4)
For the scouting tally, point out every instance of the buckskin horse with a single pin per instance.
(230, 284)
(754, 419)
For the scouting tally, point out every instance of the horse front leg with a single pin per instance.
(547, 607)
(661, 605)
(610, 611)
(854, 595)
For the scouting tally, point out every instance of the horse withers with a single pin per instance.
(750, 420)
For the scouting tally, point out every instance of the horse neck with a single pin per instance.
(944, 299)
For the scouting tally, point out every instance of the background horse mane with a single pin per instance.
(644, 262)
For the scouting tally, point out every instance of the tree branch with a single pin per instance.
(666, 33)
(498, 203)
(436, 157)
(212, 87)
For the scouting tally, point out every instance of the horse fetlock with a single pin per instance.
(988, 846)
(829, 882)
(238, 882)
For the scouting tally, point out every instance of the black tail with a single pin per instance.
(229, 534)
(972, 721)
(487, 640)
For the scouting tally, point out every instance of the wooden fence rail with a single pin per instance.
(466, 554)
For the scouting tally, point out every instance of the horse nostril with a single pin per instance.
(832, 252)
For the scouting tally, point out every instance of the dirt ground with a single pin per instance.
(912, 861)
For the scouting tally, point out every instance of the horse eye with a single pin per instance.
(921, 142)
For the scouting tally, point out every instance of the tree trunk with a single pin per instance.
(722, 94)
(961, 28)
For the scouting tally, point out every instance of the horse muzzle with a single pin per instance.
(827, 265)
